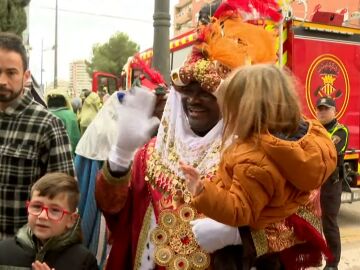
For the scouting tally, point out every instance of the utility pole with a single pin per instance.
(161, 49)
(56, 46)
(41, 66)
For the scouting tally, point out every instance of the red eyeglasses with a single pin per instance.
(53, 212)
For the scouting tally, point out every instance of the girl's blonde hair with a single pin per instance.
(259, 98)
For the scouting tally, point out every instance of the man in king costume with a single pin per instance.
(143, 196)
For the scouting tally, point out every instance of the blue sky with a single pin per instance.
(81, 24)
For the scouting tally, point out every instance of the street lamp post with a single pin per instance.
(56, 46)
(161, 57)
(41, 65)
(42, 70)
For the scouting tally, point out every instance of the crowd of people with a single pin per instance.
(213, 172)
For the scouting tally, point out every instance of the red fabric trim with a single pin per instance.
(126, 225)
(308, 254)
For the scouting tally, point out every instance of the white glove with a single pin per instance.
(212, 235)
(140, 99)
(136, 125)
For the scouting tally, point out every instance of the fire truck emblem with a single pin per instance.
(328, 72)
(327, 77)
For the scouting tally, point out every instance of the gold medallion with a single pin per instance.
(180, 263)
(167, 219)
(200, 260)
(175, 243)
(163, 255)
(187, 213)
(159, 237)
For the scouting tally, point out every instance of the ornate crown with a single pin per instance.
(229, 41)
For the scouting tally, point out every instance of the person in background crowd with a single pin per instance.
(52, 237)
(76, 104)
(90, 107)
(58, 103)
(330, 198)
(84, 94)
(103, 94)
(32, 140)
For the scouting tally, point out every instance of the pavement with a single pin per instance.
(349, 222)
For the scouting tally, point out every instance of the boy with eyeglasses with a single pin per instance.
(52, 238)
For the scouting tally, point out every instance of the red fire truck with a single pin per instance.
(325, 57)
(326, 60)
(101, 80)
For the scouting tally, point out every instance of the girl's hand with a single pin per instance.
(40, 266)
(193, 182)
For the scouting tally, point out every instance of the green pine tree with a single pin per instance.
(112, 56)
(13, 16)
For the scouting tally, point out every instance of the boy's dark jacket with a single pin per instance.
(62, 253)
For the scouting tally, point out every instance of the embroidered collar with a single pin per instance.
(175, 142)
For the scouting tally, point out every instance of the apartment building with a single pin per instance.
(79, 78)
(186, 13)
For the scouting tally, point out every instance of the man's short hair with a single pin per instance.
(52, 184)
(13, 43)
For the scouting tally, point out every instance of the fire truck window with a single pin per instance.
(107, 85)
(135, 74)
(111, 85)
(102, 84)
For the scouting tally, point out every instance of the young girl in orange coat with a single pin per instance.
(274, 157)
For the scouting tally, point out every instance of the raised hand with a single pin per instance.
(136, 125)
(140, 99)
(193, 181)
(40, 266)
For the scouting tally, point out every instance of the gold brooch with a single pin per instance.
(176, 246)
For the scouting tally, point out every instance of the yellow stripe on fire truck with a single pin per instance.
(182, 41)
(269, 26)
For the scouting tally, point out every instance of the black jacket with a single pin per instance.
(62, 253)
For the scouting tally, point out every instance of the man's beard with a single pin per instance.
(7, 96)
